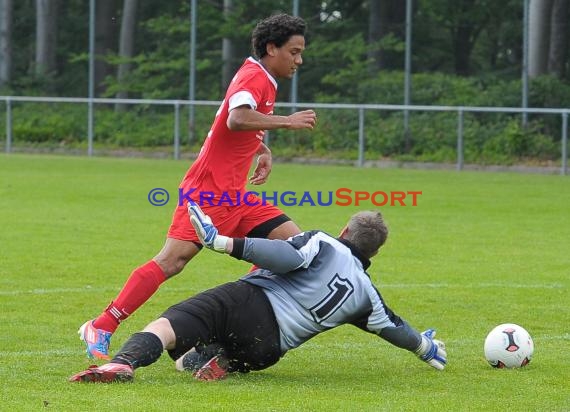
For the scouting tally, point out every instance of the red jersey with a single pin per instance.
(226, 156)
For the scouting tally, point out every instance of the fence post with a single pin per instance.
(360, 137)
(90, 128)
(8, 125)
(177, 130)
(564, 168)
(91, 74)
(460, 139)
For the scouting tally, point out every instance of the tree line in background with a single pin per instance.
(464, 52)
(142, 47)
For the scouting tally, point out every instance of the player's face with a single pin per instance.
(286, 59)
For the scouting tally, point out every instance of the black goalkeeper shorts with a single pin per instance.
(236, 315)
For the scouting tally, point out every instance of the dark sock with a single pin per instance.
(142, 349)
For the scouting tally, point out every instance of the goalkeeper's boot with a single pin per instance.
(96, 340)
(111, 372)
(215, 369)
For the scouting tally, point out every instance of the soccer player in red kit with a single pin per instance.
(217, 179)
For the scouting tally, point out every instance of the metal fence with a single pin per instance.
(360, 108)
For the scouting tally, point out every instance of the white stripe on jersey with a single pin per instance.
(312, 247)
(241, 98)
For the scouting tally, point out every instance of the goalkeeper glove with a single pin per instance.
(432, 351)
(205, 229)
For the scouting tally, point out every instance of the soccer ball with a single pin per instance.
(508, 346)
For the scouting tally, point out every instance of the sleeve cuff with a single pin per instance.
(239, 246)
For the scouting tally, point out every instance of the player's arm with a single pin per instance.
(263, 150)
(278, 256)
(428, 349)
(264, 164)
(246, 118)
(383, 322)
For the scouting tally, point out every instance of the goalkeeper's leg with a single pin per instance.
(142, 349)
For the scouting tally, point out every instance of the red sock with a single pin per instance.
(140, 286)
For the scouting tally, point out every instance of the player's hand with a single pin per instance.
(432, 351)
(306, 119)
(205, 229)
(262, 170)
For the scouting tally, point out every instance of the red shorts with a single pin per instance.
(233, 221)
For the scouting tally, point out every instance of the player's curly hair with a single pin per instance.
(367, 231)
(276, 29)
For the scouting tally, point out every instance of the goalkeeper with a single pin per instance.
(305, 285)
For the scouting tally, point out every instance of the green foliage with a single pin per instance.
(336, 69)
(161, 72)
(65, 125)
(136, 128)
(489, 138)
(45, 122)
(338, 44)
(549, 91)
(515, 143)
(484, 27)
(346, 55)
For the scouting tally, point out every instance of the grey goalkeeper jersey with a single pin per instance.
(316, 282)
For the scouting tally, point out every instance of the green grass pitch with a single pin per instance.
(479, 249)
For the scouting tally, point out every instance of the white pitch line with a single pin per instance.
(54, 290)
(33, 353)
(88, 289)
(473, 285)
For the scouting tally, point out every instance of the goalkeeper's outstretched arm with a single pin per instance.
(428, 349)
(278, 256)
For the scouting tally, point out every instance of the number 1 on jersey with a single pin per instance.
(340, 290)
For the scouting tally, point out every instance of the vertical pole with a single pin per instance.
(6, 42)
(177, 130)
(564, 169)
(295, 79)
(8, 125)
(408, 69)
(266, 138)
(525, 63)
(192, 87)
(360, 137)
(227, 48)
(460, 139)
(91, 77)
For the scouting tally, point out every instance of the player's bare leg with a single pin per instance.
(284, 231)
(175, 255)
